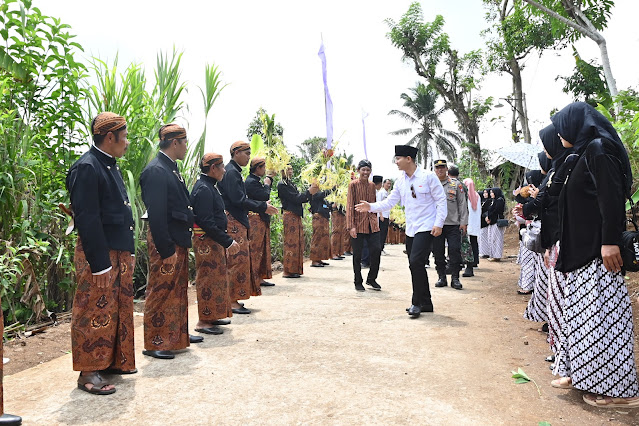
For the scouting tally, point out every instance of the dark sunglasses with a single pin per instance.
(412, 191)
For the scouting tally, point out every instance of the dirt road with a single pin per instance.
(314, 351)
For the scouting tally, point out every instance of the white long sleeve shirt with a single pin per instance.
(381, 195)
(425, 210)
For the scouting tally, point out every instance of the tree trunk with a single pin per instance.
(605, 63)
(519, 99)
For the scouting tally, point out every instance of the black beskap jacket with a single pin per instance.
(101, 208)
(208, 208)
(258, 191)
(234, 194)
(168, 205)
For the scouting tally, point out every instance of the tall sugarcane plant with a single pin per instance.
(212, 89)
(126, 94)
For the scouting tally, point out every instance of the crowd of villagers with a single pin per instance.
(224, 219)
(576, 278)
(576, 285)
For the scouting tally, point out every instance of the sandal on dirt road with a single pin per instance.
(562, 383)
(610, 402)
(97, 381)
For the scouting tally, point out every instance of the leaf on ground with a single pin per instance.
(521, 376)
(544, 424)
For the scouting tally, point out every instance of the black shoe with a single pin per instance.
(337, 258)
(348, 253)
(374, 285)
(485, 256)
(468, 272)
(455, 283)
(195, 339)
(552, 367)
(317, 265)
(159, 354)
(426, 308)
(359, 287)
(544, 328)
(266, 284)
(441, 282)
(10, 419)
(209, 330)
(241, 310)
(550, 358)
(221, 322)
(292, 276)
(414, 311)
(324, 263)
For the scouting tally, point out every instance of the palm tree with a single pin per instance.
(426, 125)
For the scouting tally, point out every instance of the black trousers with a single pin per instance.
(383, 232)
(418, 249)
(475, 246)
(372, 240)
(452, 235)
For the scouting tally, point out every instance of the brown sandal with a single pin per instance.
(97, 381)
(610, 402)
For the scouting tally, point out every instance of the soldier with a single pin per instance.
(456, 221)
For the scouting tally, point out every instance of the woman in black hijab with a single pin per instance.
(527, 259)
(484, 245)
(495, 234)
(599, 332)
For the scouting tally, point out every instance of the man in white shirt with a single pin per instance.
(424, 200)
(383, 188)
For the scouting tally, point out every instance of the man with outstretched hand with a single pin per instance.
(423, 197)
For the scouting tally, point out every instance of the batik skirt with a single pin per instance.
(321, 239)
(242, 284)
(166, 305)
(211, 280)
(260, 241)
(537, 309)
(599, 332)
(102, 319)
(293, 244)
(338, 222)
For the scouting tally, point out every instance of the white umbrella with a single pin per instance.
(523, 154)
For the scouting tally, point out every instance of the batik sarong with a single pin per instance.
(495, 236)
(293, 244)
(556, 328)
(537, 309)
(260, 244)
(599, 332)
(166, 302)
(211, 281)
(321, 239)
(102, 319)
(527, 268)
(337, 229)
(484, 242)
(241, 282)
(346, 238)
